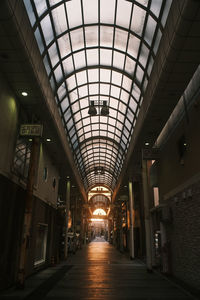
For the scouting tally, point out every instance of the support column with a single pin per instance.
(121, 244)
(67, 217)
(130, 186)
(25, 244)
(147, 215)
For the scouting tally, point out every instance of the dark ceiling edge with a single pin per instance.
(18, 15)
(180, 17)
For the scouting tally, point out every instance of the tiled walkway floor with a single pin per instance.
(99, 272)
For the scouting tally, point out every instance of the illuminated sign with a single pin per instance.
(31, 130)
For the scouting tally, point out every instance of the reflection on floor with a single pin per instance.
(98, 272)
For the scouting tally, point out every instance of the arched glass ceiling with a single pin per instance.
(98, 50)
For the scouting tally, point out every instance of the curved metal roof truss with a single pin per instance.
(101, 51)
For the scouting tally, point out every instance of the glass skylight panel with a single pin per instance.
(106, 35)
(105, 75)
(133, 104)
(75, 106)
(115, 91)
(73, 95)
(150, 66)
(116, 78)
(150, 29)
(77, 117)
(139, 74)
(144, 55)
(93, 88)
(92, 57)
(53, 2)
(30, 11)
(133, 46)
(59, 19)
(53, 53)
(84, 103)
(68, 65)
(81, 77)
(71, 83)
(123, 13)
(41, 6)
(128, 125)
(120, 117)
(46, 64)
(58, 74)
(155, 7)
(157, 41)
(64, 45)
(39, 40)
(124, 96)
(122, 107)
(91, 35)
(90, 8)
(130, 66)
(93, 75)
(166, 11)
(95, 126)
(107, 12)
(121, 37)
(77, 39)
(52, 83)
(64, 104)
(70, 124)
(73, 12)
(104, 89)
(105, 57)
(84, 113)
(118, 61)
(136, 92)
(83, 91)
(79, 59)
(88, 135)
(47, 29)
(138, 19)
(113, 103)
(113, 114)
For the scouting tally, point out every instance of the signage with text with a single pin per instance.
(31, 130)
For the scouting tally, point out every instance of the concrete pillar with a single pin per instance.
(130, 186)
(67, 217)
(148, 234)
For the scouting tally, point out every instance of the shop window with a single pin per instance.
(41, 244)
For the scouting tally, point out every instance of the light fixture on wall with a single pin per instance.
(92, 109)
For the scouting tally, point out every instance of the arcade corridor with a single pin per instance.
(99, 138)
(95, 273)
